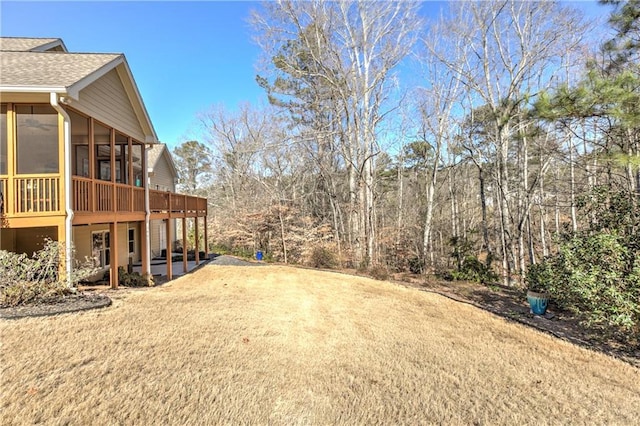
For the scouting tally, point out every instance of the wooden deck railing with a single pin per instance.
(138, 199)
(36, 194)
(98, 196)
(3, 195)
(31, 195)
(168, 201)
(104, 196)
(41, 195)
(82, 194)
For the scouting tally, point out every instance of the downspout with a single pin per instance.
(147, 211)
(53, 100)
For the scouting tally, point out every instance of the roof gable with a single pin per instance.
(29, 69)
(157, 152)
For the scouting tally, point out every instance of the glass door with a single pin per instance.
(100, 243)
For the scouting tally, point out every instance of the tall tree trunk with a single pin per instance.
(454, 210)
(543, 216)
(572, 184)
(483, 207)
(370, 228)
(523, 205)
(557, 206)
(508, 255)
(427, 246)
(400, 201)
(282, 234)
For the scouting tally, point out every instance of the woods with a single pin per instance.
(462, 146)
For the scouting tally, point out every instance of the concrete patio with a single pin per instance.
(159, 267)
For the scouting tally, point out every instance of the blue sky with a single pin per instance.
(185, 56)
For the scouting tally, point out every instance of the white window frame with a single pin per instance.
(132, 240)
(100, 258)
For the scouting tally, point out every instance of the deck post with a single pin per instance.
(144, 248)
(197, 240)
(92, 168)
(113, 248)
(168, 249)
(114, 191)
(206, 239)
(184, 245)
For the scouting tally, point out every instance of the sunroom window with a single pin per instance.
(36, 139)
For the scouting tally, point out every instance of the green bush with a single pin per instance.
(416, 265)
(468, 266)
(471, 269)
(243, 252)
(25, 279)
(25, 292)
(220, 249)
(596, 277)
(596, 272)
(539, 277)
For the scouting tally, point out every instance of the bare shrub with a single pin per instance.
(25, 279)
(134, 279)
(379, 272)
(323, 257)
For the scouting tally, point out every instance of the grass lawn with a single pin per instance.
(278, 345)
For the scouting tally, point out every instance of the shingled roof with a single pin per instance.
(51, 69)
(30, 44)
(43, 65)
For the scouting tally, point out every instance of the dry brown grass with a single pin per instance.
(280, 345)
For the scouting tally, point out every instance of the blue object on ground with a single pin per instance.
(258, 255)
(538, 304)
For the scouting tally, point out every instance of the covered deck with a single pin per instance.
(27, 201)
(93, 201)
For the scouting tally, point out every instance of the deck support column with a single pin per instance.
(168, 249)
(184, 245)
(113, 249)
(197, 240)
(206, 239)
(145, 248)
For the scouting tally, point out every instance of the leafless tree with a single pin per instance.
(350, 48)
(509, 52)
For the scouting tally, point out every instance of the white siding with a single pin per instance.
(106, 100)
(157, 236)
(163, 178)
